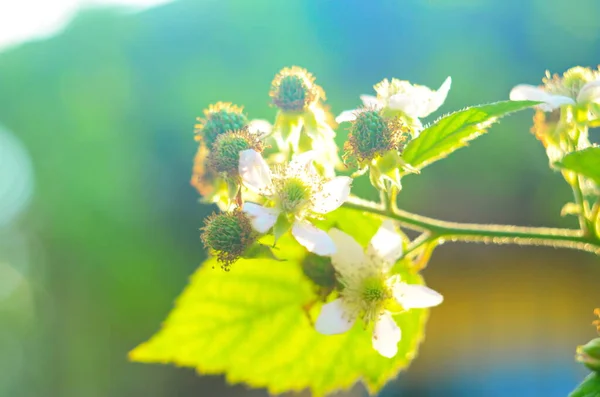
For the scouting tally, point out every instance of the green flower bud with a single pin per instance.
(589, 354)
(372, 135)
(219, 119)
(294, 90)
(225, 155)
(319, 270)
(228, 235)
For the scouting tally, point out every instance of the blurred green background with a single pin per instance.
(99, 226)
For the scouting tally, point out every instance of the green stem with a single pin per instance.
(578, 195)
(469, 232)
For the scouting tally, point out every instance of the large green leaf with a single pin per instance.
(455, 130)
(249, 324)
(585, 162)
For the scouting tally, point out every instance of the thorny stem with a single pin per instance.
(440, 231)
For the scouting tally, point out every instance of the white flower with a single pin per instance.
(577, 86)
(413, 100)
(297, 192)
(370, 292)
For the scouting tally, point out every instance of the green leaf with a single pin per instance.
(455, 130)
(281, 226)
(590, 387)
(585, 162)
(252, 324)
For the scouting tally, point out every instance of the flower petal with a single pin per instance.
(420, 101)
(259, 127)
(386, 244)
(255, 172)
(590, 92)
(313, 239)
(370, 101)
(346, 115)
(262, 218)
(386, 336)
(525, 92)
(301, 162)
(437, 99)
(415, 296)
(334, 319)
(349, 255)
(333, 194)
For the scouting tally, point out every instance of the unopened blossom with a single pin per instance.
(295, 194)
(577, 85)
(400, 97)
(370, 291)
(303, 122)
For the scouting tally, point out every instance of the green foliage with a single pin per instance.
(455, 131)
(254, 324)
(585, 162)
(590, 387)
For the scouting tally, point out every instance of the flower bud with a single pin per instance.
(589, 354)
(372, 135)
(319, 270)
(218, 119)
(225, 155)
(228, 235)
(294, 90)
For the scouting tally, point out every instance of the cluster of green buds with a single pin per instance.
(589, 354)
(208, 176)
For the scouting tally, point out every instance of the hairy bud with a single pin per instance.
(319, 270)
(372, 134)
(225, 155)
(294, 90)
(219, 119)
(228, 235)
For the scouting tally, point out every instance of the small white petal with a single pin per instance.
(524, 92)
(420, 101)
(346, 115)
(262, 218)
(313, 239)
(349, 255)
(589, 92)
(437, 99)
(334, 319)
(415, 296)
(386, 336)
(386, 244)
(333, 194)
(254, 171)
(261, 128)
(370, 101)
(301, 162)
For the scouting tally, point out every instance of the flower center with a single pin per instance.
(374, 290)
(571, 82)
(294, 195)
